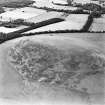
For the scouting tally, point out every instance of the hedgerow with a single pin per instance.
(39, 24)
(78, 11)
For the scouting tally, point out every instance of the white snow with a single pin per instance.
(64, 7)
(53, 6)
(86, 1)
(54, 1)
(8, 30)
(65, 25)
(43, 4)
(59, 1)
(77, 18)
(82, 1)
(44, 17)
(98, 24)
(72, 22)
(22, 13)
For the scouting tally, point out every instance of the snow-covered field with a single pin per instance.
(72, 22)
(54, 1)
(86, 1)
(59, 1)
(98, 25)
(65, 25)
(64, 7)
(22, 13)
(53, 6)
(9, 30)
(45, 16)
(78, 18)
(82, 1)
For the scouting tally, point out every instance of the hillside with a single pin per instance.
(15, 3)
(77, 88)
(4, 1)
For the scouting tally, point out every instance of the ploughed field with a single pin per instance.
(68, 69)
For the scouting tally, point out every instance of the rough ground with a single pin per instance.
(11, 86)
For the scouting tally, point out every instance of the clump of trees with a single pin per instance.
(15, 23)
(12, 24)
(5, 37)
(69, 2)
(1, 10)
(8, 24)
(92, 7)
(96, 14)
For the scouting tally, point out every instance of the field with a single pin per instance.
(75, 21)
(54, 1)
(21, 13)
(82, 1)
(8, 30)
(53, 6)
(98, 24)
(77, 18)
(14, 89)
(44, 16)
(72, 22)
(59, 1)
(65, 25)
